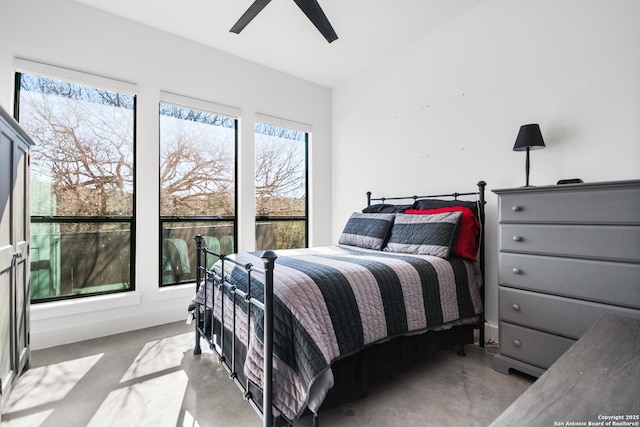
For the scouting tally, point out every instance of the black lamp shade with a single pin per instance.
(529, 137)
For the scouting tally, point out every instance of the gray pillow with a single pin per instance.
(424, 234)
(367, 230)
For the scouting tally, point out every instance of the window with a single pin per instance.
(197, 187)
(82, 185)
(281, 186)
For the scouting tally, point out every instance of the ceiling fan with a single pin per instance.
(311, 8)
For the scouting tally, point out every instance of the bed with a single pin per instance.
(302, 330)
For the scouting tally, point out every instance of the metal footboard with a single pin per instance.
(201, 312)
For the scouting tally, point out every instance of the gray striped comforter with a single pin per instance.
(330, 302)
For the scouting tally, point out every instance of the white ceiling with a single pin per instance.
(281, 36)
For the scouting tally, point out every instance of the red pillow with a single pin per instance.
(467, 242)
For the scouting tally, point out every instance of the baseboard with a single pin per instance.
(490, 333)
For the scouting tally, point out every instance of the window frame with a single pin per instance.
(211, 108)
(21, 67)
(306, 129)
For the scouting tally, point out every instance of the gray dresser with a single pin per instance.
(569, 254)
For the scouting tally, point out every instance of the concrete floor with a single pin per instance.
(150, 378)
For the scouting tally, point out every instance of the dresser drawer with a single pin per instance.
(614, 243)
(537, 348)
(598, 281)
(604, 205)
(562, 316)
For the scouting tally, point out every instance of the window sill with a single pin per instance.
(184, 292)
(57, 309)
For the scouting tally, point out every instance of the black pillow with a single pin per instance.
(384, 208)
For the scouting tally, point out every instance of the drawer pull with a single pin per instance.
(517, 343)
(517, 238)
(515, 307)
(517, 271)
(516, 208)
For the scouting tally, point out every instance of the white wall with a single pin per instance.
(444, 112)
(71, 35)
(439, 115)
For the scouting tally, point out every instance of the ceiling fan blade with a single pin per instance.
(314, 12)
(251, 13)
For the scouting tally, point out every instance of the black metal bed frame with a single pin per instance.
(269, 257)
